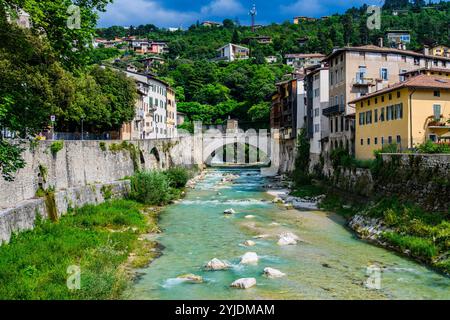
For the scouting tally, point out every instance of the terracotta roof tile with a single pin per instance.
(420, 81)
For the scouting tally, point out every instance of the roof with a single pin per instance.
(232, 44)
(426, 69)
(420, 82)
(304, 55)
(373, 48)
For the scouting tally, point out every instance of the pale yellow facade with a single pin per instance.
(406, 117)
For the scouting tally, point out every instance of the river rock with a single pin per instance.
(244, 283)
(229, 211)
(249, 243)
(261, 236)
(273, 273)
(287, 239)
(216, 265)
(249, 217)
(191, 278)
(249, 258)
(277, 200)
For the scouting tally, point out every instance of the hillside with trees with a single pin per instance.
(211, 91)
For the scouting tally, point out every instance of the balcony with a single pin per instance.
(442, 123)
(333, 110)
(361, 81)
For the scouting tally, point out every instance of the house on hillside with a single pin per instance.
(231, 52)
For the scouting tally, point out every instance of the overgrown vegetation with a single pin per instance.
(98, 239)
(56, 147)
(158, 187)
(431, 147)
(301, 176)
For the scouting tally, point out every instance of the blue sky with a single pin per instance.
(175, 13)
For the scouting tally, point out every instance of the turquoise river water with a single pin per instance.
(331, 265)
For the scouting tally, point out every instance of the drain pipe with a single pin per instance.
(410, 118)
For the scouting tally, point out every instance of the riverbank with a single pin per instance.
(95, 250)
(389, 223)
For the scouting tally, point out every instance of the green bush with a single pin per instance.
(151, 188)
(56, 146)
(178, 177)
(419, 247)
(431, 147)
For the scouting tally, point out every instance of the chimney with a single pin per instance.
(426, 50)
(380, 42)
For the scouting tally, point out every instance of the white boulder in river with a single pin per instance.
(216, 264)
(249, 243)
(273, 273)
(244, 283)
(249, 258)
(287, 239)
(229, 211)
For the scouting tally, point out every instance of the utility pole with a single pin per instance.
(253, 13)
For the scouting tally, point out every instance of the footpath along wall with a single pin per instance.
(419, 178)
(82, 172)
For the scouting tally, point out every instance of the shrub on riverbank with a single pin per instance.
(151, 188)
(178, 177)
(98, 239)
(158, 187)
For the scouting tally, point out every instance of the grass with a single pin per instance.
(308, 191)
(98, 239)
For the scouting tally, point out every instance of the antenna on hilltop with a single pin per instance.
(253, 13)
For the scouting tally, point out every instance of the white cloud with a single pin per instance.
(135, 12)
(222, 7)
(317, 8)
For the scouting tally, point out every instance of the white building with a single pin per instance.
(318, 99)
(152, 117)
(300, 61)
(231, 52)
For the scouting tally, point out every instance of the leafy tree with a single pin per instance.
(236, 38)
(51, 18)
(260, 112)
(228, 24)
(212, 94)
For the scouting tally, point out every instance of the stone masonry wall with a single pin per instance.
(421, 179)
(79, 172)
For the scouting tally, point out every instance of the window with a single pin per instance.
(436, 63)
(331, 78)
(437, 93)
(331, 125)
(336, 100)
(433, 137)
(382, 98)
(384, 74)
(316, 128)
(399, 139)
(390, 140)
(382, 140)
(399, 112)
(368, 141)
(362, 142)
(347, 124)
(362, 118)
(316, 92)
(382, 115)
(316, 112)
(376, 100)
(336, 123)
(368, 102)
(342, 100)
(437, 112)
(342, 124)
(375, 140)
(390, 96)
(398, 94)
(416, 61)
(368, 117)
(375, 116)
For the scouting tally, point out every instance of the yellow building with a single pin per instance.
(406, 114)
(442, 51)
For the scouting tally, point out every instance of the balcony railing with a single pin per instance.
(333, 110)
(442, 123)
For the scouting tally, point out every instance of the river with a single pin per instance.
(331, 265)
